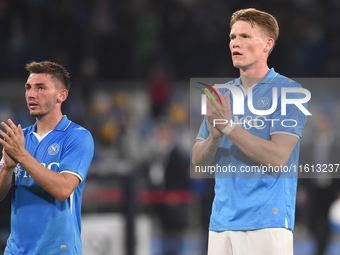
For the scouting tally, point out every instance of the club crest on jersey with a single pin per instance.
(53, 149)
(262, 102)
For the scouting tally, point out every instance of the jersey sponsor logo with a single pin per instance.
(53, 149)
(19, 169)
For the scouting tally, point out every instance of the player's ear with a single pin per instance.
(269, 45)
(62, 95)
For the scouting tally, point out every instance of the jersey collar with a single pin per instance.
(270, 76)
(62, 125)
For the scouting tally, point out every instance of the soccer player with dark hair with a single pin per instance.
(252, 214)
(47, 165)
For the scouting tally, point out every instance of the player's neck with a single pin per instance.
(252, 76)
(47, 123)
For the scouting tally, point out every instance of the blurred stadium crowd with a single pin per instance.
(125, 39)
(130, 63)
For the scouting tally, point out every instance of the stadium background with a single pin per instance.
(131, 62)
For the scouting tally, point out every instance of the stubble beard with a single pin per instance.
(37, 115)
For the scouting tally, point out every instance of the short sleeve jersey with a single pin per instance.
(245, 200)
(40, 224)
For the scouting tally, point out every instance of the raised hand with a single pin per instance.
(8, 161)
(13, 141)
(218, 111)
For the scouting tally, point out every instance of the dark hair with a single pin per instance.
(263, 19)
(56, 70)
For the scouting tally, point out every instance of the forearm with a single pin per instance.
(204, 151)
(6, 177)
(59, 185)
(261, 150)
(51, 181)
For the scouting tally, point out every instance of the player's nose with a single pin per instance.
(31, 93)
(235, 43)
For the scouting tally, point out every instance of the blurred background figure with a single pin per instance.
(131, 63)
(322, 188)
(159, 89)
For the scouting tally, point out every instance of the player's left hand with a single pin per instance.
(219, 111)
(13, 141)
(8, 162)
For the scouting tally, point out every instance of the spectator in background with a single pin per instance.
(159, 89)
(323, 188)
(169, 172)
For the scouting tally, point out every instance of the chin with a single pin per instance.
(36, 114)
(237, 64)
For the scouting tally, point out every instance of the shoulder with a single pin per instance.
(78, 133)
(283, 81)
(78, 130)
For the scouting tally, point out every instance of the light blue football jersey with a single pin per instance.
(40, 224)
(255, 200)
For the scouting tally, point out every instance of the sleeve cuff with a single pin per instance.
(74, 173)
(285, 133)
(200, 138)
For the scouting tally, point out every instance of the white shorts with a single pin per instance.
(267, 241)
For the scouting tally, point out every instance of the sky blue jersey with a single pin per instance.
(40, 224)
(247, 195)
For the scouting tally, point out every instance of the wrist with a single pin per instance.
(216, 139)
(4, 167)
(228, 128)
(21, 156)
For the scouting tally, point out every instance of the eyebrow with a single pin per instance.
(241, 34)
(36, 84)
